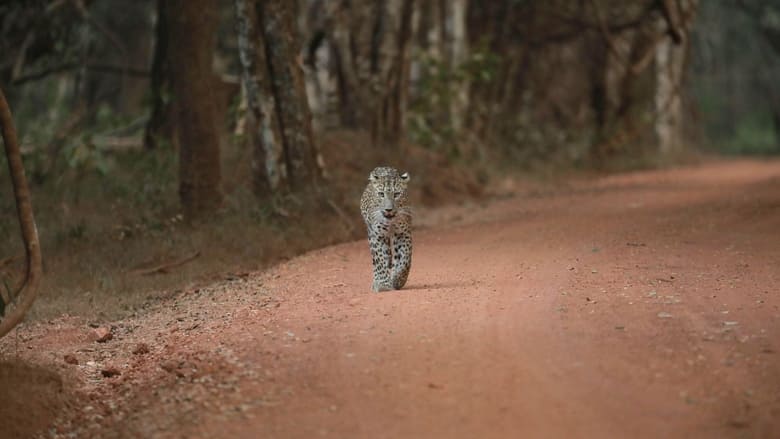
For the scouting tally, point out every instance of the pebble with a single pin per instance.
(102, 334)
(110, 371)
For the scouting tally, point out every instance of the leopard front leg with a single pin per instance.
(402, 258)
(380, 256)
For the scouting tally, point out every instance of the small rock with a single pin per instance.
(102, 334)
(141, 349)
(730, 323)
(173, 367)
(71, 359)
(110, 371)
(664, 315)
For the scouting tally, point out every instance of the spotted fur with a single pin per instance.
(389, 222)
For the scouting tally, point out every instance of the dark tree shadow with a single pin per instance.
(30, 398)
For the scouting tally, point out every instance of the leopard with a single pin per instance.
(388, 216)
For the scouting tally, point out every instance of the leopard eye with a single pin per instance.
(381, 194)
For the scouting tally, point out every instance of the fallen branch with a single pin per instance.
(165, 268)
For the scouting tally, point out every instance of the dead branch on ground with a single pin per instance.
(167, 266)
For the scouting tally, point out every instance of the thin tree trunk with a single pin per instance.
(320, 84)
(670, 61)
(26, 296)
(268, 164)
(498, 96)
(776, 124)
(339, 33)
(161, 126)
(398, 88)
(304, 163)
(599, 97)
(431, 24)
(192, 38)
(458, 55)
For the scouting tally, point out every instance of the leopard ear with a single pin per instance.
(405, 176)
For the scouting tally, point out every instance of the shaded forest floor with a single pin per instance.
(636, 305)
(113, 241)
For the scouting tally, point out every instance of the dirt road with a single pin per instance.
(643, 305)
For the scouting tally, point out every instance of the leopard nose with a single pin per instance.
(389, 210)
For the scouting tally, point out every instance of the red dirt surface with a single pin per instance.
(643, 305)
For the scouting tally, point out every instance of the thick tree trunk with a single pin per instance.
(26, 296)
(161, 125)
(282, 49)
(192, 38)
(264, 136)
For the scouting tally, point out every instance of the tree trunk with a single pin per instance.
(599, 97)
(397, 95)
(282, 49)
(318, 59)
(458, 55)
(26, 296)
(192, 38)
(161, 125)
(268, 164)
(670, 61)
(340, 37)
(432, 28)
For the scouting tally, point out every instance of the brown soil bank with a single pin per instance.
(643, 305)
